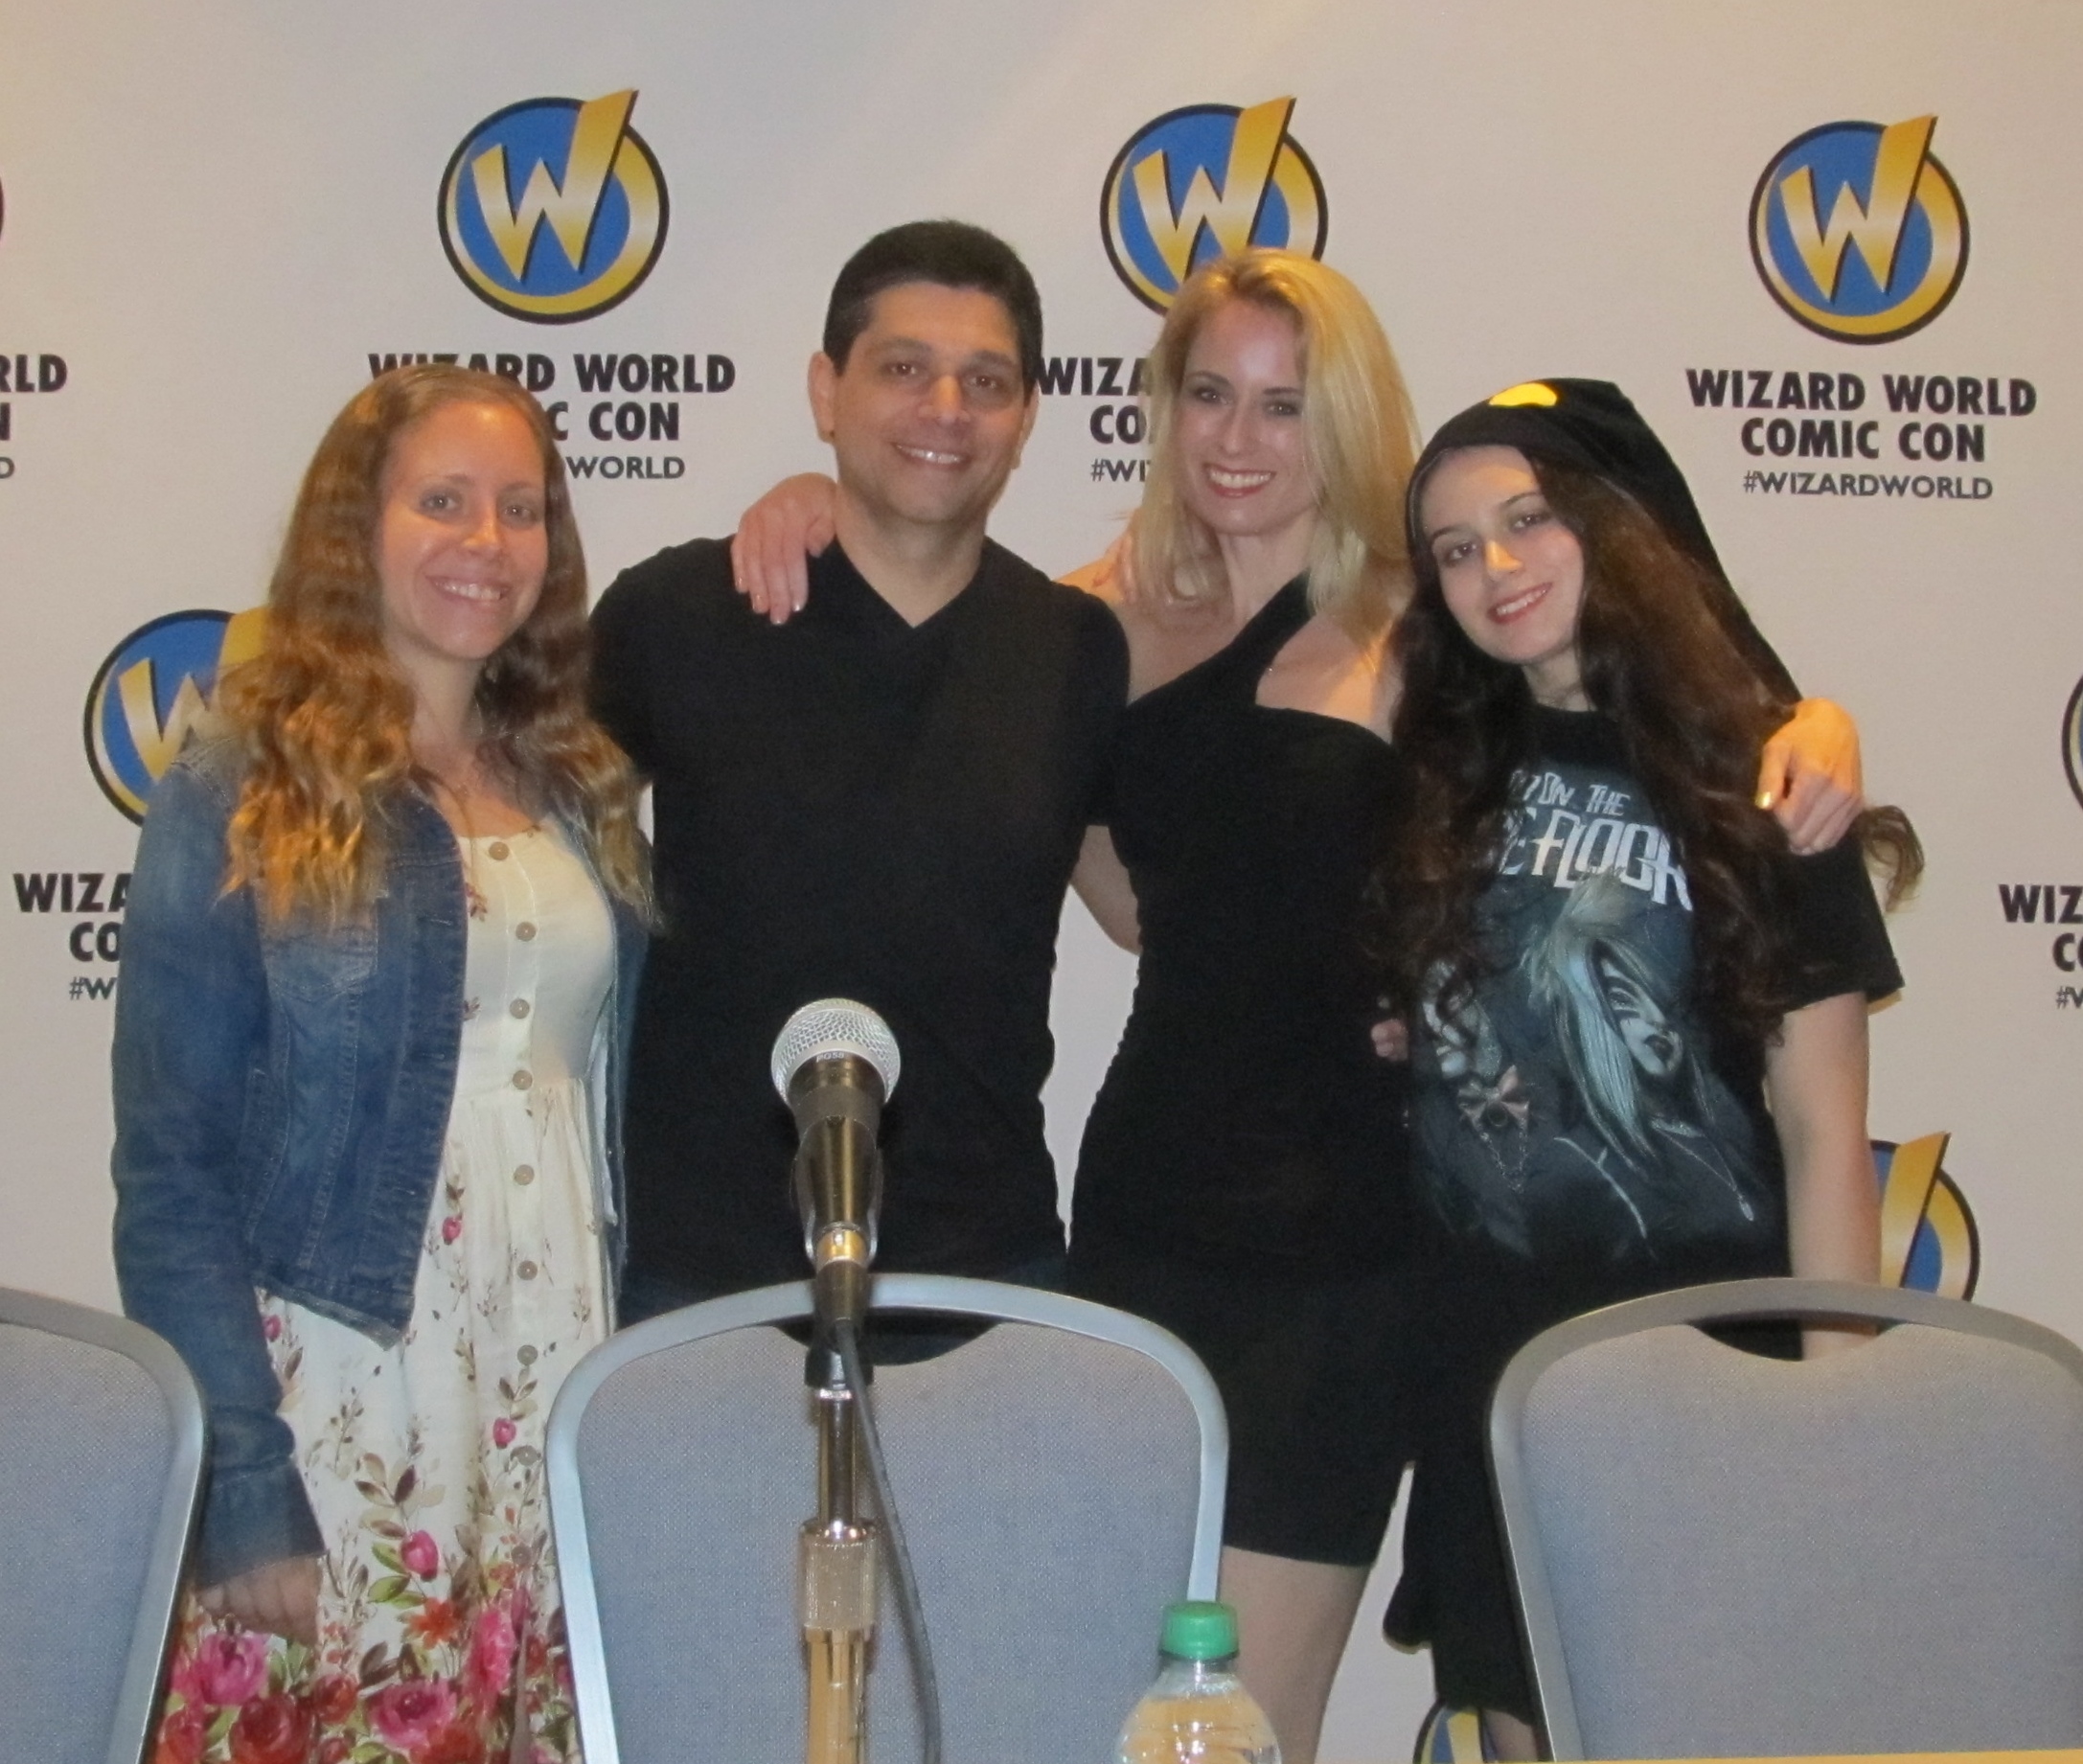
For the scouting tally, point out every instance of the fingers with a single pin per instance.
(1808, 777)
(789, 568)
(1796, 809)
(1391, 1038)
(776, 538)
(742, 577)
(761, 552)
(1817, 813)
(1772, 770)
(300, 1602)
(1829, 821)
(280, 1598)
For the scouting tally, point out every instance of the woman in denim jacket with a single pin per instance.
(381, 949)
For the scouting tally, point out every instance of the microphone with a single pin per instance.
(835, 1063)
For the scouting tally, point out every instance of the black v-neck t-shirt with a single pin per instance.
(851, 806)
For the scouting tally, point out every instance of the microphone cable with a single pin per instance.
(911, 1609)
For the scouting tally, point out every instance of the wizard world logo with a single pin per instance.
(1202, 181)
(155, 692)
(554, 210)
(1857, 231)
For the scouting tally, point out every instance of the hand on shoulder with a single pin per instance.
(1107, 577)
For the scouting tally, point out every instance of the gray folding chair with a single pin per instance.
(101, 1459)
(1721, 1554)
(1060, 1479)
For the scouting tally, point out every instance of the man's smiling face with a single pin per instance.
(928, 417)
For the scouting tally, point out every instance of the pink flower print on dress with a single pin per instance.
(230, 1668)
(271, 1328)
(406, 1715)
(502, 1433)
(420, 1554)
(451, 1228)
(492, 1651)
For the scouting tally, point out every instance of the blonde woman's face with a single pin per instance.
(1237, 438)
(461, 546)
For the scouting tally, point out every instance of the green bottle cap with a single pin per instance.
(1200, 1629)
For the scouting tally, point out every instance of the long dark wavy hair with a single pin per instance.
(1692, 714)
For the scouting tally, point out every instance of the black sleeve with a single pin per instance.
(1750, 644)
(1103, 681)
(621, 697)
(1837, 938)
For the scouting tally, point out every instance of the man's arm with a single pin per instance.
(620, 689)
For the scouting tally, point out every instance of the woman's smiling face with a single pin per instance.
(461, 547)
(1512, 573)
(1238, 436)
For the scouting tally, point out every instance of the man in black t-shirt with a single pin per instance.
(882, 800)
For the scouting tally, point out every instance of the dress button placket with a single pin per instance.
(525, 1200)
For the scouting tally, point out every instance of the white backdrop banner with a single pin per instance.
(1828, 246)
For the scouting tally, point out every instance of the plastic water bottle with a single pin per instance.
(1198, 1712)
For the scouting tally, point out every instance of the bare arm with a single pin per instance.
(1810, 778)
(1101, 881)
(1816, 1080)
(776, 538)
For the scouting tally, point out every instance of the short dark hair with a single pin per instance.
(951, 254)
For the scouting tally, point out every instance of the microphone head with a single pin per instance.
(835, 1026)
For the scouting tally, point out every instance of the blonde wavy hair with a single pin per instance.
(1360, 436)
(325, 714)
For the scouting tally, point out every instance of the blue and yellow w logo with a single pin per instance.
(604, 213)
(1857, 231)
(155, 693)
(1205, 180)
(1929, 1242)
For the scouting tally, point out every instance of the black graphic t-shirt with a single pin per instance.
(1581, 1113)
(1585, 1133)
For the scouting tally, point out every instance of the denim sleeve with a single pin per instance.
(191, 1026)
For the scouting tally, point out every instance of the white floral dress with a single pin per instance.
(438, 1607)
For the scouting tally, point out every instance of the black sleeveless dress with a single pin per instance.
(1243, 1177)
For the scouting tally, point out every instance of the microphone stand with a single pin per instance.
(837, 1580)
(837, 1570)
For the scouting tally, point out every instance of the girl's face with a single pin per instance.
(1512, 573)
(461, 547)
(1237, 438)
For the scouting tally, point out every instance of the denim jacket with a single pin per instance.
(282, 1098)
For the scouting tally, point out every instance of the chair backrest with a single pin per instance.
(1723, 1555)
(101, 1459)
(1060, 1479)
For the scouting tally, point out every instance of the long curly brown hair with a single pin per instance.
(326, 716)
(1692, 714)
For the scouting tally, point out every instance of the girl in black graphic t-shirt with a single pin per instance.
(1612, 963)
